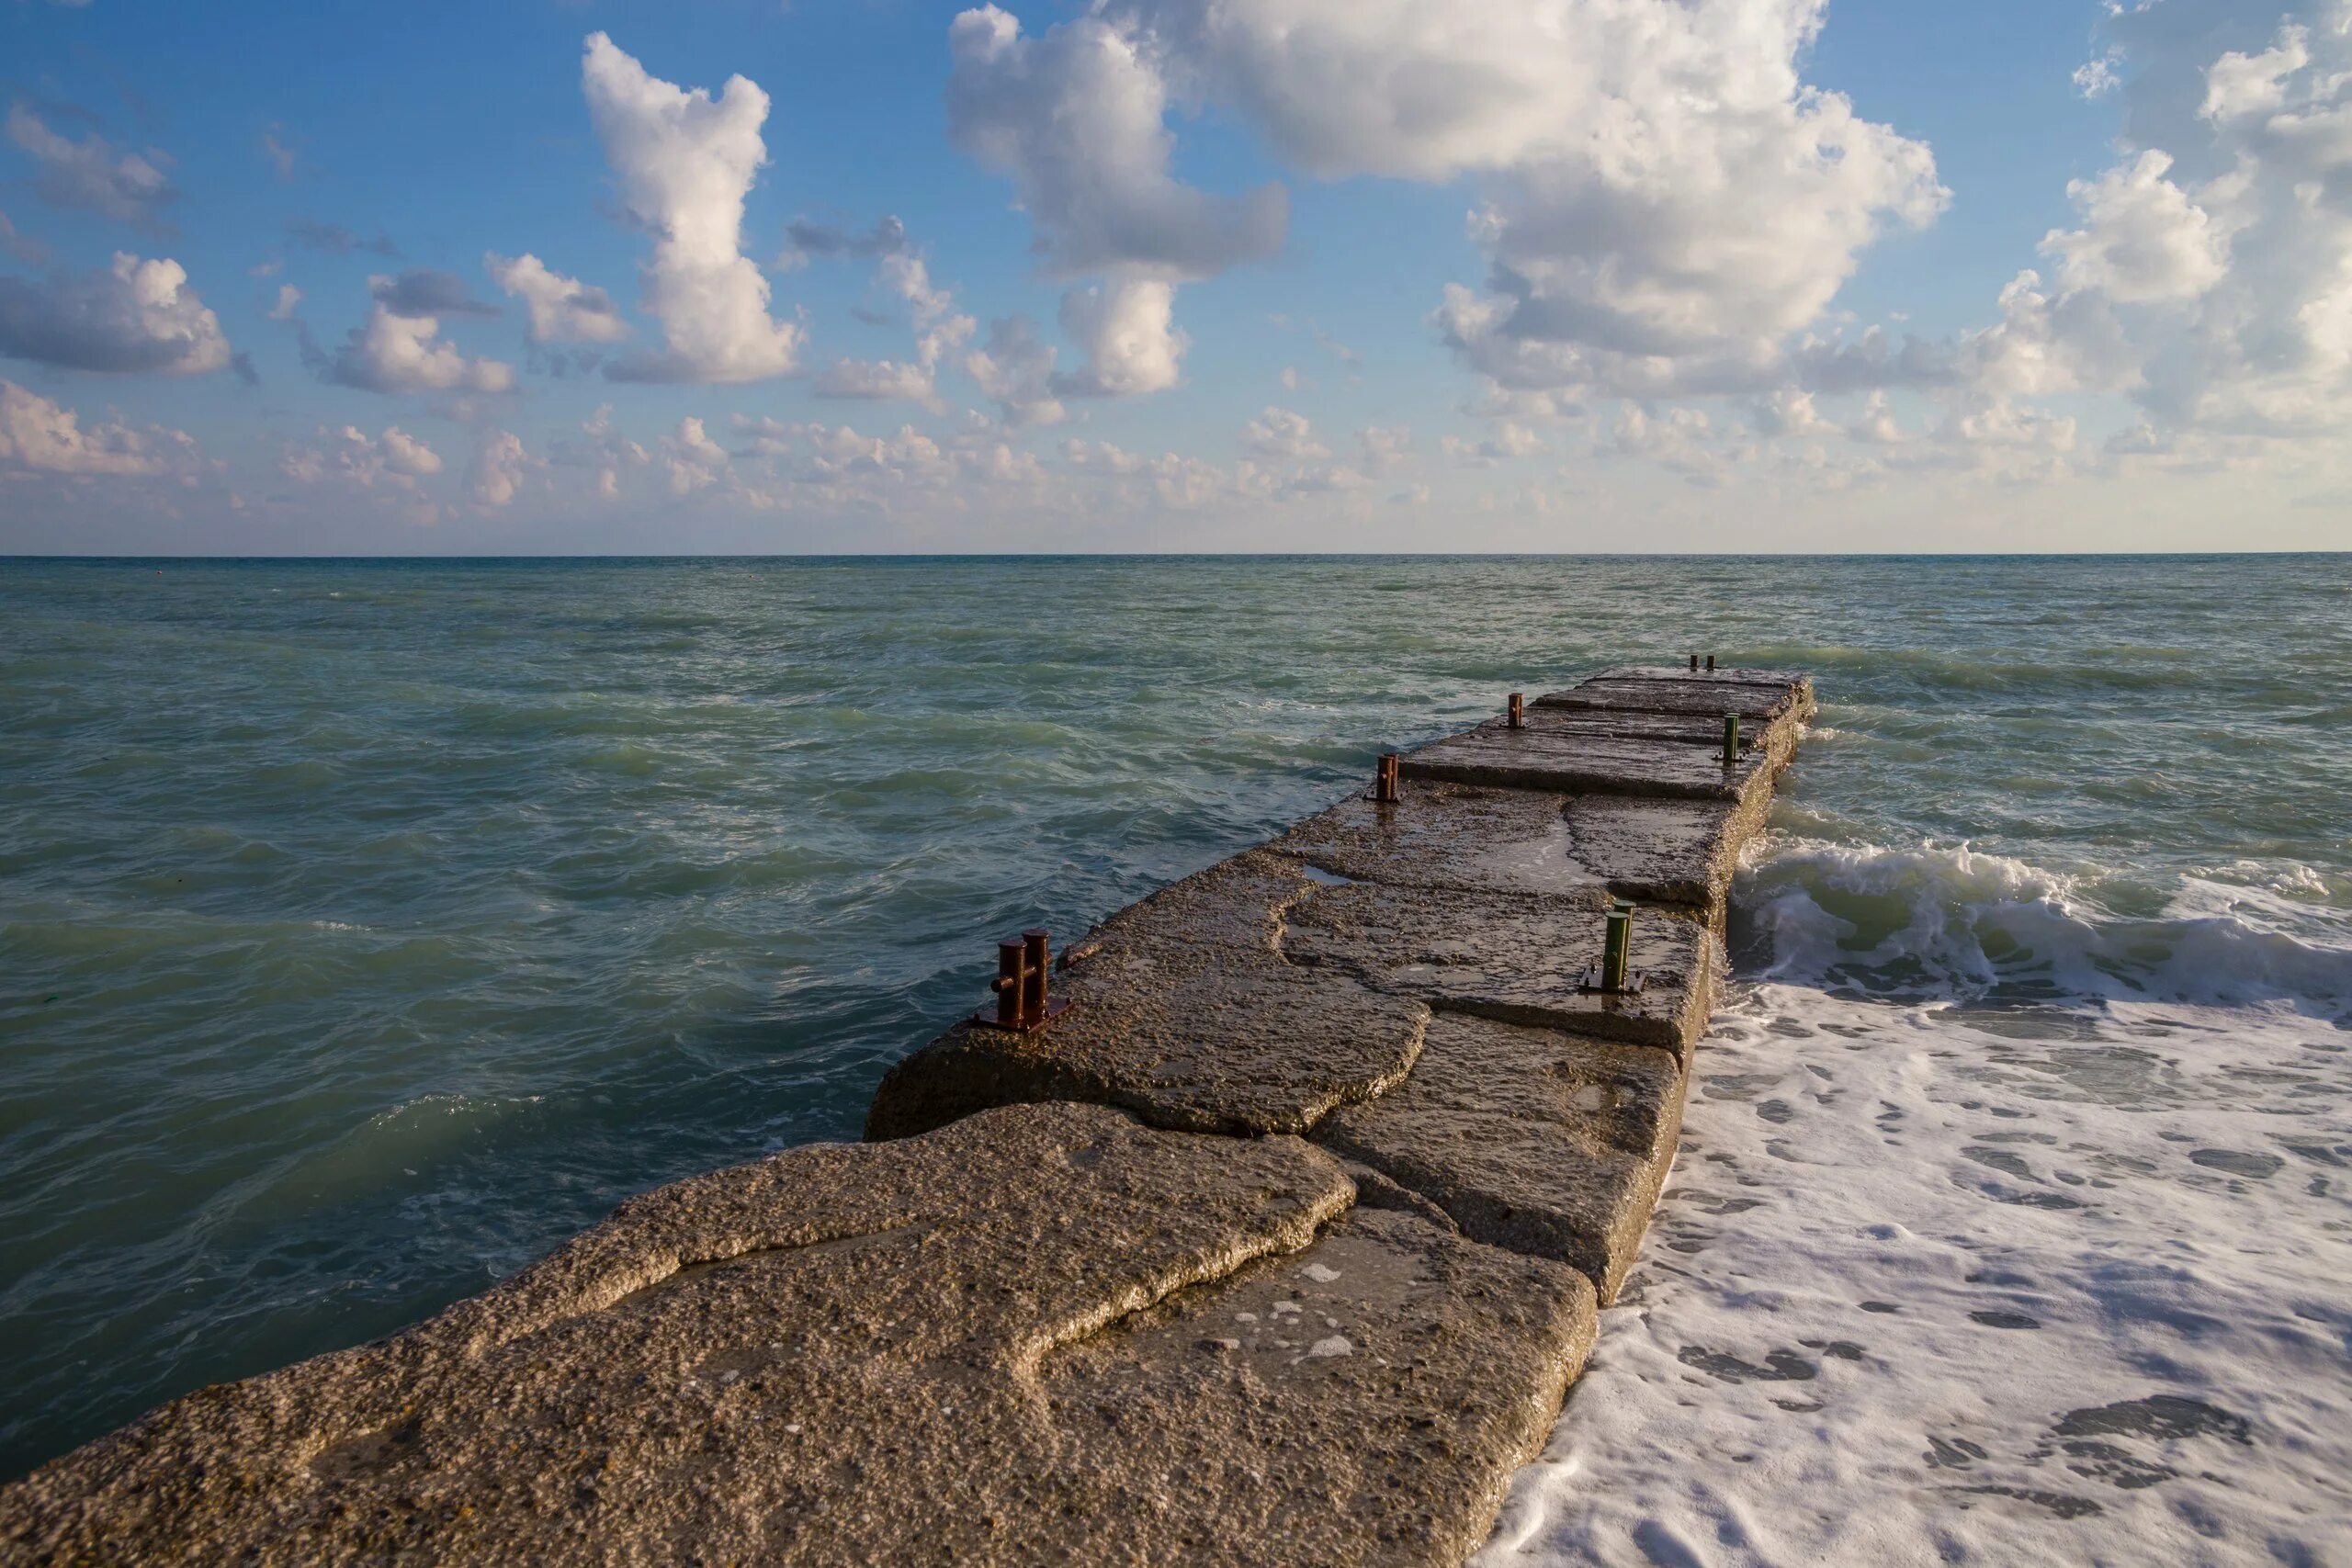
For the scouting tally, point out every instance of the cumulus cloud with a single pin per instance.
(1663, 194)
(939, 330)
(686, 162)
(500, 467)
(92, 175)
(396, 353)
(43, 436)
(394, 460)
(562, 309)
(1077, 117)
(1283, 435)
(2142, 241)
(427, 291)
(1014, 367)
(1126, 325)
(136, 316)
(805, 242)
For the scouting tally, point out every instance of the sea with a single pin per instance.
(366, 928)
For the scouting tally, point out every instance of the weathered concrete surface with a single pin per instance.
(1567, 760)
(1461, 836)
(1752, 695)
(1513, 957)
(939, 1350)
(1789, 679)
(1539, 1142)
(1663, 851)
(1185, 1014)
(1315, 1409)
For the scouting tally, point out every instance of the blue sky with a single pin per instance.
(1687, 241)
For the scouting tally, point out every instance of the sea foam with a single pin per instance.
(2034, 1254)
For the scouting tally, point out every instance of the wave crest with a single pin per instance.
(1933, 924)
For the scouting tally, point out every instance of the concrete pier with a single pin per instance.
(1282, 1245)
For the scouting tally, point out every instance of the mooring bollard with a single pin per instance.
(1384, 783)
(1711, 664)
(1518, 710)
(1694, 665)
(1617, 947)
(1022, 1002)
(1731, 740)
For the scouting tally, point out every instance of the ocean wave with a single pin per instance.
(1952, 924)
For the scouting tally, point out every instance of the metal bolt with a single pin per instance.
(1731, 740)
(1617, 946)
(1384, 785)
(1518, 710)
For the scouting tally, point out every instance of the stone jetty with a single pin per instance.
(1279, 1242)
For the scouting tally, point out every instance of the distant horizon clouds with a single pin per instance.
(1171, 274)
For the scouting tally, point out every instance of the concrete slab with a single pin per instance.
(721, 1357)
(1204, 1029)
(1461, 836)
(1017, 1341)
(1695, 694)
(1662, 851)
(1513, 957)
(1570, 761)
(1740, 676)
(1364, 1402)
(1447, 836)
(1543, 1143)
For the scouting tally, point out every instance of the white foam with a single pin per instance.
(2156, 1183)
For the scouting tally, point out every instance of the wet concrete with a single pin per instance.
(1542, 1142)
(1109, 1306)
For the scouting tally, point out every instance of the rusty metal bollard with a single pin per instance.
(1694, 665)
(1518, 710)
(1711, 664)
(1023, 1004)
(1384, 783)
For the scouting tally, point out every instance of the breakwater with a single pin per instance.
(1281, 1244)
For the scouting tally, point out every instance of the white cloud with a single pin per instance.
(500, 468)
(691, 459)
(136, 316)
(1384, 447)
(46, 437)
(1015, 370)
(1125, 326)
(562, 309)
(91, 175)
(2142, 241)
(396, 459)
(1663, 195)
(406, 354)
(1078, 118)
(686, 162)
(940, 330)
(1283, 435)
(288, 299)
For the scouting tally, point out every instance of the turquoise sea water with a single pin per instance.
(366, 928)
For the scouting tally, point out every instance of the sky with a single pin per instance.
(604, 276)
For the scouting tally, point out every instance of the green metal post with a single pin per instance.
(1617, 947)
(1731, 740)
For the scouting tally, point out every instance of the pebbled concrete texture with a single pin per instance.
(1191, 1038)
(893, 1353)
(1516, 958)
(1547, 1144)
(1566, 760)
